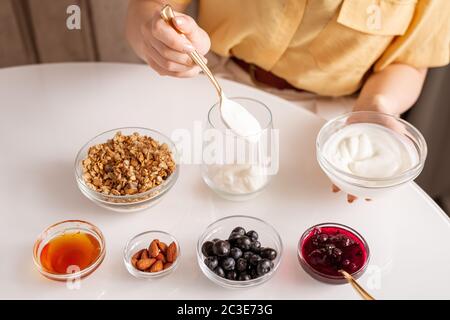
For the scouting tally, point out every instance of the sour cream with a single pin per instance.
(370, 151)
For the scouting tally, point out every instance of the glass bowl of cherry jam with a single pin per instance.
(327, 248)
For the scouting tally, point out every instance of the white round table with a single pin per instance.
(49, 111)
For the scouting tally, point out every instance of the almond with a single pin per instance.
(157, 266)
(144, 254)
(161, 257)
(138, 254)
(162, 246)
(171, 254)
(144, 264)
(167, 265)
(153, 248)
(136, 257)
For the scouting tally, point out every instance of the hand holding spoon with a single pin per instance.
(235, 117)
(168, 15)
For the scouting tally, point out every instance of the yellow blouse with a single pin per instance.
(329, 46)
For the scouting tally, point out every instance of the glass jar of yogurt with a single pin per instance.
(367, 153)
(235, 166)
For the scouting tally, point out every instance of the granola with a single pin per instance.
(127, 165)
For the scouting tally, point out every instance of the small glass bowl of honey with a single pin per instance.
(69, 250)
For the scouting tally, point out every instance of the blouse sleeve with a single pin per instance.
(426, 42)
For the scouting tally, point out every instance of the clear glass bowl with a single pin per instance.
(68, 226)
(325, 277)
(129, 203)
(239, 167)
(142, 241)
(370, 187)
(222, 228)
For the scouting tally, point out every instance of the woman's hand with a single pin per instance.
(159, 44)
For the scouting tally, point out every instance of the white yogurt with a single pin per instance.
(238, 178)
(239, 120)
(370, 151)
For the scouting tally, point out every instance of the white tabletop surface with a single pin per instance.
(48, 112)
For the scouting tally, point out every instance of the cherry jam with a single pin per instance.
(329, 248)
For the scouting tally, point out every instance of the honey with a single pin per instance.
(70, 252)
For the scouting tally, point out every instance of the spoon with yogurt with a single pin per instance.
(235, 117)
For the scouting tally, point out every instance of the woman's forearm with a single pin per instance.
(392, 90)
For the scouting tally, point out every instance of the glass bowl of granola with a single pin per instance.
(127, 169)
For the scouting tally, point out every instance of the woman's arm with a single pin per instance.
(393, 90)
(158, 44)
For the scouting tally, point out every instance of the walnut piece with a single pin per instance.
(127, 165)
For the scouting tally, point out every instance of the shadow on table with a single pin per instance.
(58, 188)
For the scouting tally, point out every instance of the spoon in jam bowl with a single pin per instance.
(362, 292)
(234, 116)
(336, 254)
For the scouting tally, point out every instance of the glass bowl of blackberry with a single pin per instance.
(239, 251)
(324, 250)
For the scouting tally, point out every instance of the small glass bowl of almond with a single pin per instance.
(151, 254)
(127, 169)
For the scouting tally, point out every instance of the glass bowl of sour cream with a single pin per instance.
(366, 153)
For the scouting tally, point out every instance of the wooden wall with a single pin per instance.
(34, 31)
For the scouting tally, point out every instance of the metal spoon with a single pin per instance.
(362, 292)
